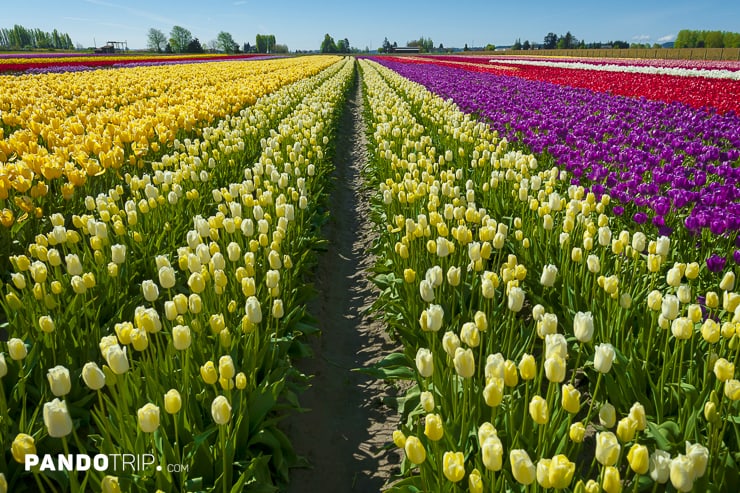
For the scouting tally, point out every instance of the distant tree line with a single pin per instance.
(21, 38)
(568, 41)
(425, 45)
(706, 39)
(328, 45)
(181, 40)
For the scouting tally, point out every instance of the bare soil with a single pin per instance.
(346, 436)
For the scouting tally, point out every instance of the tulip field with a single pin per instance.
(557, 251)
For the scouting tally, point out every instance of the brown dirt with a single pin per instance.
(346, 434)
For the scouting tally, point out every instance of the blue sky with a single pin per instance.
(302, 25)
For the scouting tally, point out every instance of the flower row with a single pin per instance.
(699, 92)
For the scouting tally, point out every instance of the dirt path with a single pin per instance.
(344, 434)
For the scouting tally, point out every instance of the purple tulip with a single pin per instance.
(715, 263)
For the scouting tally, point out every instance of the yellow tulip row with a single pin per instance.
(478, 220)
(195, 327)
(73, 126)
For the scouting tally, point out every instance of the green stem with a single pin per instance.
(72, 474)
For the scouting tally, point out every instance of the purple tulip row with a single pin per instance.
(664, 162)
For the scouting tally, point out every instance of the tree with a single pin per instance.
(567, 42)
(386, 46)
(526, 45)
(194, 47)
(225, 42)
(265, 43)
(180, 38)
(282, 49)
(342, 46)
(247, 48)
(551, 41)
(156, 40)
(517, 45)
(328, 45)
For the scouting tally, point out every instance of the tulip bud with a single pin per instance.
(56, 418)
(493, 392)
(426, 290)
(699, 456)
(516, 299)
(241, 381)
(571, 399)
(626, 429)
(148, 418)
(522, 467)
(46, 324)
(253, 310)
(681, 473)
(549, 274)
(150, 290)
(470, 335)
(464, 362)
(453, 466)
(425, 362)
(221, 410)
(612, 482)
(208, 373)
(493, 452)
(724, 370)
(728, 281)
(660, 466)
(116, 358)
(172, 401)
(604, 357)
(23, 445)
(17, 349)
(710, 331)
(538, 410)
(583, 326)
(594, 264)
(637, 413)
(607, 448)
(59, 381)
(277, 309)
(577, 432)
(181, 337)
(475, 482)
(433, 427)
(414, 449)
(607, 415)
(527, 367)
(399, 439)
(427, 401)
(560, 472)
(481, 321)
(453, 276)
(3, 366)
(109, 484)
(450, 343)
(226, 367)
(555, 368)
(166, 277)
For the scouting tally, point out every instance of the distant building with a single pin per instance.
(405, 49)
